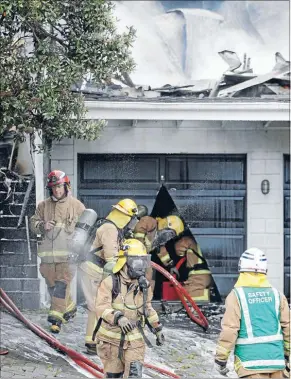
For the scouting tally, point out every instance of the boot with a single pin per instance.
(56, 327)
(69, 315)
(91, 348)
(55, 324)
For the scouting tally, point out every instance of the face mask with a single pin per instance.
(137, 265)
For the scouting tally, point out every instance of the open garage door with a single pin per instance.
(287, 226)
(209, 191)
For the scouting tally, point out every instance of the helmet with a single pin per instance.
(134, 253)
(142, 210)
(253, 260)
(171, 222)
(126, 206)
(57, 177)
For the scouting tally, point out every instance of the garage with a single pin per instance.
(209, 191)
(287, 225)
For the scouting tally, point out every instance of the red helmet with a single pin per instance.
(57, 177)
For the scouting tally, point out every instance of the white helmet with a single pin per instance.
(253, 260)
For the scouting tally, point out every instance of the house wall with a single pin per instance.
(264, 146)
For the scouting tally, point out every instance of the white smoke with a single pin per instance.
(257, 28)
(156, 62)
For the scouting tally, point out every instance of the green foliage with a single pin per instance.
(46, 47)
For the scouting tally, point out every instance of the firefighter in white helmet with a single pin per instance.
(256, 324)
(102, 258)
(123, 307)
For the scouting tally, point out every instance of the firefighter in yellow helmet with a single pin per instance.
(123, 307)
(172, 226)
(199, 276)
(54, 221)
(102, 258)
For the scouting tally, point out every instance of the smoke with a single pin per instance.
(181, 46)
(156, 62)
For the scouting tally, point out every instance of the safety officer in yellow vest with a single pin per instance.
(54, 222)
(103, 256)
(124, 306)
(256, 323)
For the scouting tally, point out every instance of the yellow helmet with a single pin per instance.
(126, 206)
(171, 222)
(129, 248)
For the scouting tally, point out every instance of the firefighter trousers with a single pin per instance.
(90, 279)
(58, 277)
(198, 286)
(129, 366)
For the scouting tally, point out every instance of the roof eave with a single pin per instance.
(248, 111)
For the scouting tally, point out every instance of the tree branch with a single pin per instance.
(52, 36)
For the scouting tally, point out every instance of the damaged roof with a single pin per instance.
(238, 82)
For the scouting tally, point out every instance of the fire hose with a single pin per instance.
(78, 358)
(184, 297)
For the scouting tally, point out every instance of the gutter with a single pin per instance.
(216, 110)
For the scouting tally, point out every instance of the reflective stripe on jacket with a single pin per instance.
(129, 301)
(65, 212)
(259, 345)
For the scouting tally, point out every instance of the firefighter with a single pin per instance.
(175, 226)
(146, 231)
(123, 307)
(102, 257)
(256, 323)
(199, 276)
(54, 221)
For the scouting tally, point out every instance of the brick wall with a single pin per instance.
(265, 212)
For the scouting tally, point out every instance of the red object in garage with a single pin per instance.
(168, 290)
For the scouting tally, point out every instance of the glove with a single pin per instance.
(49, 225)
(175, 271)
(221, 367)
(286, 372)
(160, 338)
(125, 325)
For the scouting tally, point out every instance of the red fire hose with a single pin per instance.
(80, 359)
(184, 297)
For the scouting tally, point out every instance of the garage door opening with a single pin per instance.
(208, 190)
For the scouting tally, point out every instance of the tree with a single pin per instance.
(46, 47)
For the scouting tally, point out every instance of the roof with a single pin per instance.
(238, 95)
(234, 85)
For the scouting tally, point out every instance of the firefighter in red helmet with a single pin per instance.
(54, 221)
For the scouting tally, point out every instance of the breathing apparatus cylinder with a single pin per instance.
(81, 238)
